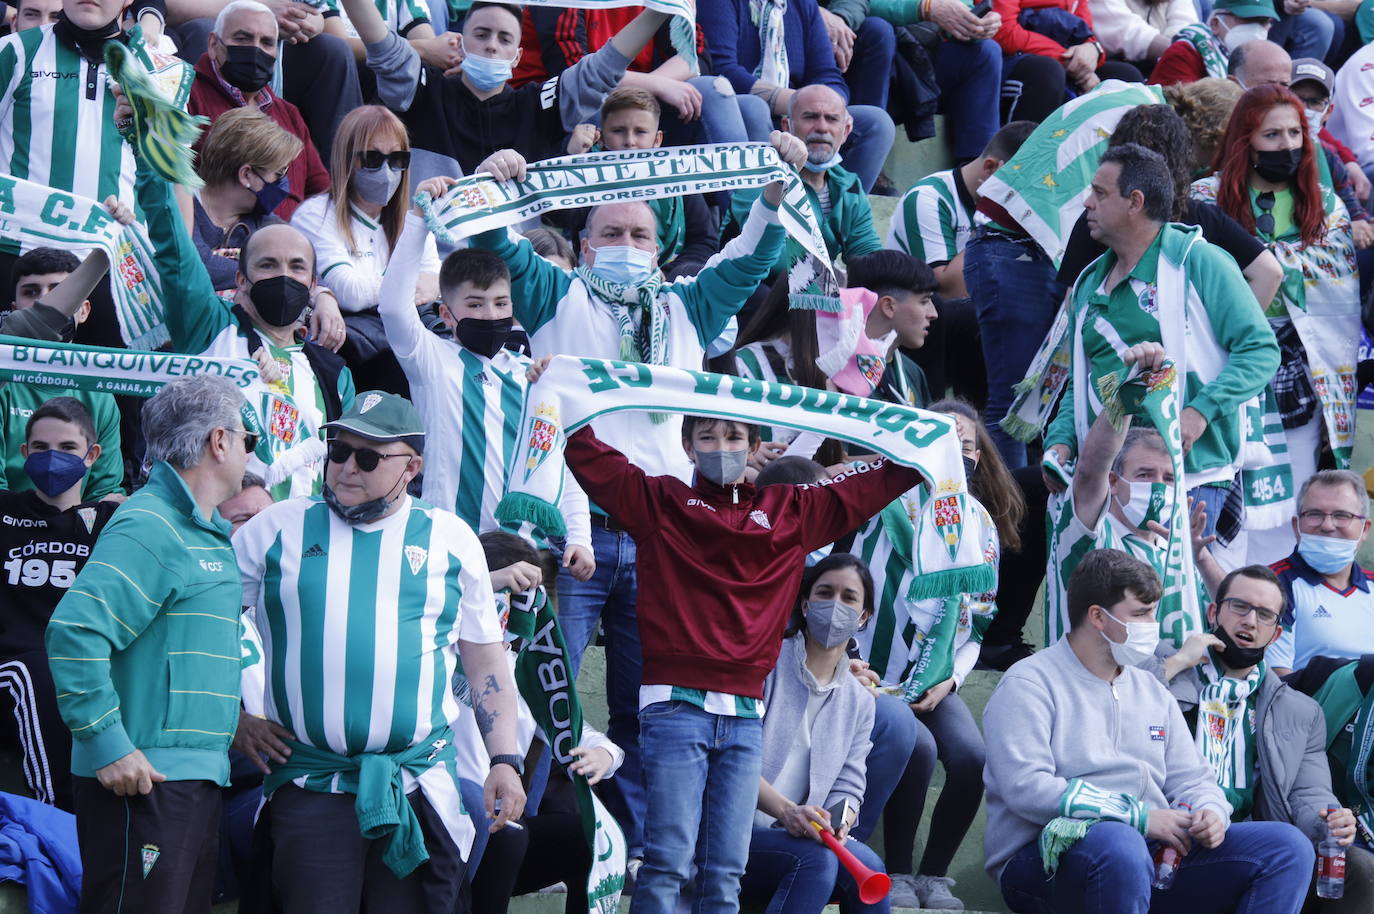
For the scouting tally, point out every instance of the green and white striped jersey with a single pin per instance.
(360, 624)
(57, 114)
(721, 703)
(762, 361)
(1070, 540)
(400, 15)
(933, 220)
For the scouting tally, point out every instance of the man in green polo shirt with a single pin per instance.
(144, 650)
(1164, 284)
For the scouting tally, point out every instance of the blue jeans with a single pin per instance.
(1213, 497)
(474, 803)
(1017, 293)
(867, 148)
(701, 774)
(1261, 868)
(799, 875)
(1307, 34)
(970, 79)
(610, 597)
(870, 70)
(723, 112)
(895, 729)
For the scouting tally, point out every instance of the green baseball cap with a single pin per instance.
(1247, 9)
(379, 416)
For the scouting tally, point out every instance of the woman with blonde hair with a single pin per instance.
(243, 163)
(354, 228)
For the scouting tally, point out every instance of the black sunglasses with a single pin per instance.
(365, 457)
(1264, 222)
(250, 439)
(372, 158)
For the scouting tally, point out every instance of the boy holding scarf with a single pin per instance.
(1264, 740)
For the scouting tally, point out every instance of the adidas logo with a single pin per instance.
(1321, 613)
(314, 552)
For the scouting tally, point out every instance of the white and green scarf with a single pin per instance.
(1043, 186)
(543, 674)
(1213, 53)
(1080, 808)
(127, 372)
(1321, 292)
(1226, 729)
(33, 215)
(479, 203)
(162, 131)
(574, 391)
(767, 16)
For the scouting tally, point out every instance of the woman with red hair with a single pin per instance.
(1272, 178)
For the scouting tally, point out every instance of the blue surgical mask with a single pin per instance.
(828, 164)
(722, 467)
(818, 554)
(272, 194)
(54, 472)
(1327, 554)
(623, 264)
(726, 341)
(487, 73)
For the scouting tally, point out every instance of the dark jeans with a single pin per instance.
(800, 875)
(870, 71)
(609, 597)
(154, 853)
(1020, 573)
(35, 729)
(950, 734)
(1261, 868)
(550, 849)
(321, 863)
(1036, 85)
(952, 356)
(1017, 293)
(970, 78)
(895, 735)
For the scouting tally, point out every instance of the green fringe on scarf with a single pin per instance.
(518, 507)
(1060, 835)
(951, 581)
(161, 133)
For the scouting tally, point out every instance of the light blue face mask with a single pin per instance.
(623, 264)
(818, 167)
(487, 73)
(723, 343)
(819, 554)
(1327, 554)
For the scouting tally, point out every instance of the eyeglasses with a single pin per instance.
(365, 457)
(1264, 222)
(373, 158)
(1240, 609)
(1312, 519)
(1314, 103)
(250, 439)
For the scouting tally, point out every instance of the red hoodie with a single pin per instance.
(719, 566)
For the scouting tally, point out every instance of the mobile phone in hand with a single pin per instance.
(839, 814)
(982, 8)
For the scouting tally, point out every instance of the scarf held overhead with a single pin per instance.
(544, 675)
(33, 215)
(574, 391)
(479, 203)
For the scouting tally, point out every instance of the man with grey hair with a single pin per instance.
(144, 650)
(236, 72)
(1124, 300)
(1329, 609)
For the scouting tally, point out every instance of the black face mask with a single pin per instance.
(969, 466)
(482, 336)
(1233, 656)
(246, 67)
(1278, 164)
(279, 300)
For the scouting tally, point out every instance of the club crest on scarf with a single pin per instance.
(949, 514)
(543, 436)
(283, 420)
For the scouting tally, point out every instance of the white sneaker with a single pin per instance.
(934, 893)
(903, 893)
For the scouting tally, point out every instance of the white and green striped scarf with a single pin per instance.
(32, 216)
(767, 16)
(479, 203)
(1080, 808)
(641, 318)
(949, 539)
(162, 131)
(1043, 186)
(1214, 55)
(1226, 729)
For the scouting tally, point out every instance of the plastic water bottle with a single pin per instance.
(1166, 859)
(1330, 863)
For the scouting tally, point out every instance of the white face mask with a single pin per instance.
(1314, 122)
(1242, 32)
(1141, 640)
(1150, 501)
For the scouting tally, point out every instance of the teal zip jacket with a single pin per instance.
(144, 647)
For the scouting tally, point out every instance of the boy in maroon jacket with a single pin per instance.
(722, 562)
